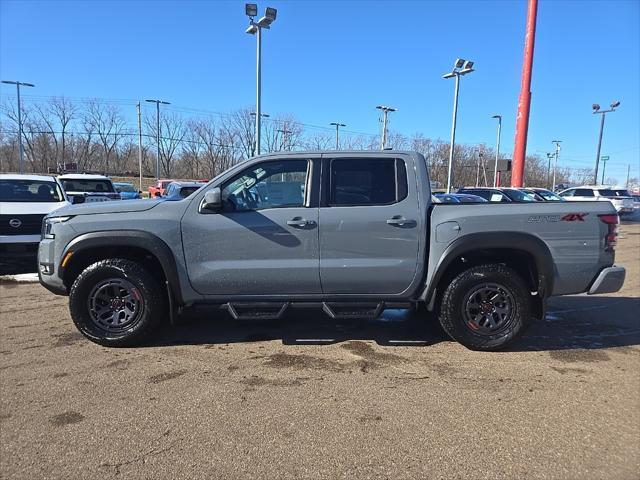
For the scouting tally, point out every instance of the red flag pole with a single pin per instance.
(524, 101)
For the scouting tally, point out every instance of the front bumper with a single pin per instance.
(608, 280)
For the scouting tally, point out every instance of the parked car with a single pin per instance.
(458, 198)
(127, 191)
(543, 195)
(180, 190)
(586, 193)
(85, 188)
(269, 235)
(157, 190)
(499, 194)
(24, 201)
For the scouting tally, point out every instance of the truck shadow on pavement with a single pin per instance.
(577, 322)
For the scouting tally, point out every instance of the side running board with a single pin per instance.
(257, 311)
(353, 310)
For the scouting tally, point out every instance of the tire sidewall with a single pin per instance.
(90, 277)
(453, 305)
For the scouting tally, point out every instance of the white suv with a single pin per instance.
(623, 203)
(24, 201)
(89, 188)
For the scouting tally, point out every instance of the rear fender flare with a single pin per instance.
(467, 244)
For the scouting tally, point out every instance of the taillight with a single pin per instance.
(611, 238)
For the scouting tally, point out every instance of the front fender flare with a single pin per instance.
(129, 238)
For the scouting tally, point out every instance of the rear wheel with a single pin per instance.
(116, 302)
(486, 307)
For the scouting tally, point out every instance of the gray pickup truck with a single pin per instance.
(351, 233)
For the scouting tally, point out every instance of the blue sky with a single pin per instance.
(336, 60)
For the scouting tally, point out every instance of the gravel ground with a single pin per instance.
(308, 397)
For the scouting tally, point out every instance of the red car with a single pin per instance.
(158, 189)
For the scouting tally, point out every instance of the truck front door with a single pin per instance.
(264, 241)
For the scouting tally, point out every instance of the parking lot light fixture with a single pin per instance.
(461, 67)
(596, 109)
(20, 145)
(255, 28)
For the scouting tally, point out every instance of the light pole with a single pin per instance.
(461, 67)
(385, 112)
(255, 28)
(496, 175)
(596, 109)
(158, 102)
(20, 147)
(337, 125)
(480, 155)
(555, 167)
(604, 159)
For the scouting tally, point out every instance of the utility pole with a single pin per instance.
(549, 157)
(20, 146)
(555, 168)
(284, 143)
(158, 102)
(628, 173)
(596, 109)
(337, 125)
(139, 144)
(385, 111)
(478, 171)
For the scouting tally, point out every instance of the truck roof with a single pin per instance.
(21, 176)
(83, 176)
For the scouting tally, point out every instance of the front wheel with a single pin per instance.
(486, 307)
(117, 303)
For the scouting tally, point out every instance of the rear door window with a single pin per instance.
(369, 181)
(584, 192)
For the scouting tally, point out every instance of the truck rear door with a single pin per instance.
(370, 226)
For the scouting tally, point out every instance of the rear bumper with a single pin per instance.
(608, 280)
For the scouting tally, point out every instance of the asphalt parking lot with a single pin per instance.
(308, 397)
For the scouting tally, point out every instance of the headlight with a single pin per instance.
(48, 223)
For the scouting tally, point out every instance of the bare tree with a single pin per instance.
(109, 126)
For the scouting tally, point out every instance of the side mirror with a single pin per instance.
(158, 194)
(212, 200)
(77, 199)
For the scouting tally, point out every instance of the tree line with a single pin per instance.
(97, 137)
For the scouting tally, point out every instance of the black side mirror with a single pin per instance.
(158, 194)
(212, 200)
(77, 199)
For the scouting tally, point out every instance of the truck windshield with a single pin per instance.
(87, 185)
(29, 191)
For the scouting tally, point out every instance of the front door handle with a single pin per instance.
(400, 221)
(300, 222)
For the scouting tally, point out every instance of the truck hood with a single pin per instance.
(122, 206)
(27, 208)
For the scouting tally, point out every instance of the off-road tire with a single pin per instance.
(149, 317)
(453, 306)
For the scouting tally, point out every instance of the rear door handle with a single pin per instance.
(400, 221)
(300, 222)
